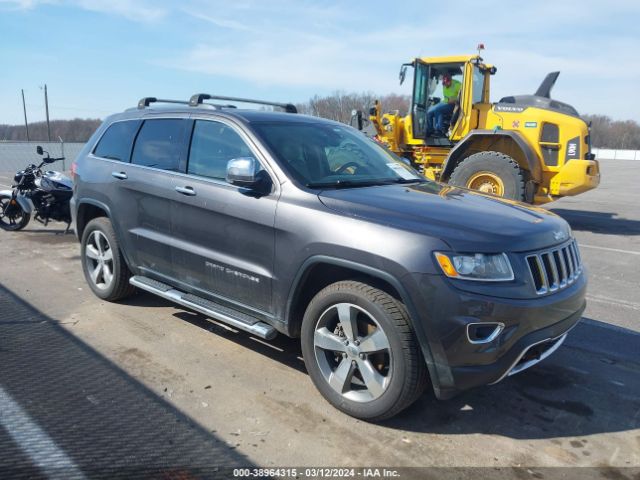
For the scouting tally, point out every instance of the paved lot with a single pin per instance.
(97, 385)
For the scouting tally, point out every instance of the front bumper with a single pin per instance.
(514, 360)
(456, 363)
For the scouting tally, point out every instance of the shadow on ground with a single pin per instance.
(109, 424)
(52, 235)
(598, 222)
(590, 385)
(282, 348)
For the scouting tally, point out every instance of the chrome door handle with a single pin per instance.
(186, 191)
(119, 175)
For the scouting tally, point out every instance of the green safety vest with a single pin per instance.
(451, 92)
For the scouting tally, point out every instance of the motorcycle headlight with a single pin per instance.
(478, 266)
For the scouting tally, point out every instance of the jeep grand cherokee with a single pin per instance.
(278, 222)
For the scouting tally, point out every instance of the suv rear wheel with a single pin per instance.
(104, 266)
(360, 351)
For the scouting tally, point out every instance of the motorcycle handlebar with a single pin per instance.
(48, 160)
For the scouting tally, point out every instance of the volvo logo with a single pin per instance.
(560, 235)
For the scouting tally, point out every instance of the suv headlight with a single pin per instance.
(478, 266)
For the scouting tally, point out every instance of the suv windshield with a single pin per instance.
(320, 155)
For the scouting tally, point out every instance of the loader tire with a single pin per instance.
(490, 172)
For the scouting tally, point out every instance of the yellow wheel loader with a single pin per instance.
(526, 147)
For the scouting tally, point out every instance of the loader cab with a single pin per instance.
(428, 93)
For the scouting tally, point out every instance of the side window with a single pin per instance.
(213, 144)
(478, 85)
(421, 80)
(159, 144)
(117, 140)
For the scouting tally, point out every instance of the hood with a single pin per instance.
(467, 221)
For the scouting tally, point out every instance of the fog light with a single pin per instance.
(484, 332)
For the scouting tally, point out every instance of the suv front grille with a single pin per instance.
(556, 268)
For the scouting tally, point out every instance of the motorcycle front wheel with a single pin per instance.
(12, 216)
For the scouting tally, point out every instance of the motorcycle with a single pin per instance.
(46, 195)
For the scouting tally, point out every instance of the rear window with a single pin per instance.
(159, 144)
(116, 142)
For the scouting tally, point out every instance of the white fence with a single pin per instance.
(17, 155)
(609, 154)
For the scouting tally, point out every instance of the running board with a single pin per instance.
(211, 309)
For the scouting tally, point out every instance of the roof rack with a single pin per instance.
(146, 101)
(199, 98)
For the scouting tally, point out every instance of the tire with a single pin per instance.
(392, 374)
(17, 218)
(104, 267)
(493, 167)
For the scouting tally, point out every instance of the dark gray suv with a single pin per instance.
(279, 222)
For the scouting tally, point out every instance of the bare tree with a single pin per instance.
(608, 133)
(340, 105)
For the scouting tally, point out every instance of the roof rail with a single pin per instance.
(146, 101)
(199, 99)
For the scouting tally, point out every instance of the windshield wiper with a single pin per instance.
(344, 184)
(406, 180)
(364, 183)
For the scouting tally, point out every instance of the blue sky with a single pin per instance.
(98, 57)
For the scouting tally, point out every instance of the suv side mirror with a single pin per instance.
(39, 150)
(241, 171)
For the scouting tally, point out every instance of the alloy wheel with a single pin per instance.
(99, 260)
(353, 352)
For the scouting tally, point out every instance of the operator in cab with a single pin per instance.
(435, 115)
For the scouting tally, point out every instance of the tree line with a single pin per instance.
(76, 130)
(605, 132)
(616, 134)
(339, 105)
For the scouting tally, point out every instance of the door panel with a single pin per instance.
(463, 122)
(223, 235)
(142, 201)
(143, 211)
(420, 99)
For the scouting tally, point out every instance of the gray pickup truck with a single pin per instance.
(278, 222)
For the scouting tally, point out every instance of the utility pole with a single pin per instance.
(46, 106)
(24, 109)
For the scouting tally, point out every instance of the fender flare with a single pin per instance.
(107, 211)
(457, 152)
(25, 203)
(421, 335)
(94, 203)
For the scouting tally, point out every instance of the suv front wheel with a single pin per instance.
(360, 351)
(104, 266)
